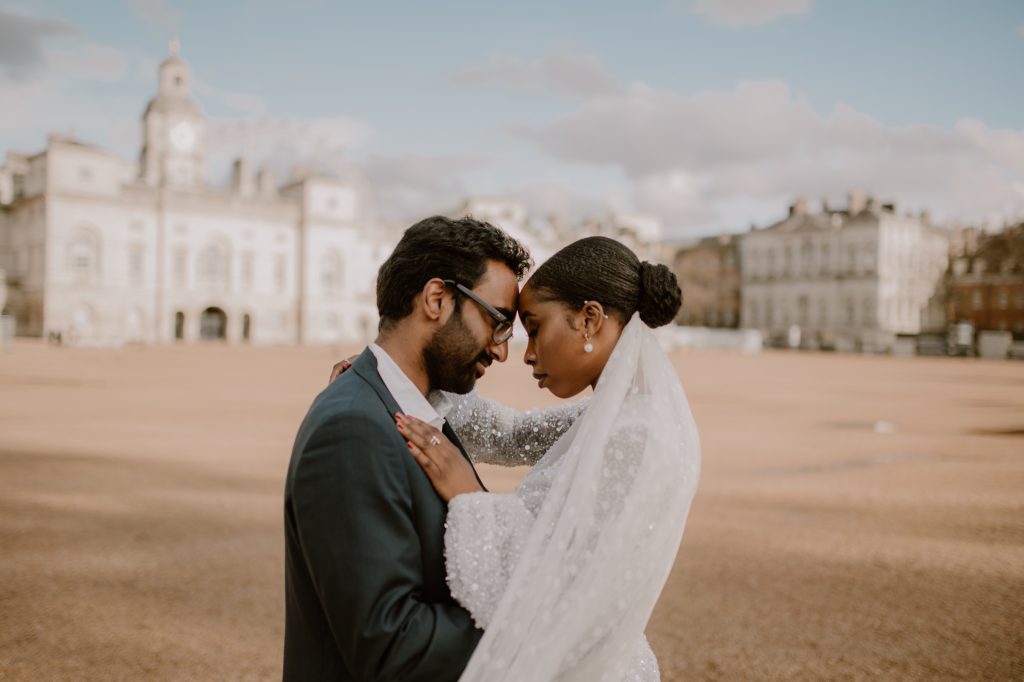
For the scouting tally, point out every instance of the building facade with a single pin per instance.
(985, 282)
(103, 251)
(849, 279)
(709, 275)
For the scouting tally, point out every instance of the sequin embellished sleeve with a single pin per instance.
(493, 433)
(483, 539)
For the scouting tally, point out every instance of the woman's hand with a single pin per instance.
(448, 470)
(340, 367)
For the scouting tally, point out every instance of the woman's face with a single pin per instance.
(554, 350)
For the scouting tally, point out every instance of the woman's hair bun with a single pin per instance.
(660, 296)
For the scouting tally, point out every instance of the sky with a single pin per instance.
(712, 115)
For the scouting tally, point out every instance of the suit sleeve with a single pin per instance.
(354, 518)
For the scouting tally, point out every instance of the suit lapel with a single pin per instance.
(366, 367)
(449, 433)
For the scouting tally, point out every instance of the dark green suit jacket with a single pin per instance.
(366, 597)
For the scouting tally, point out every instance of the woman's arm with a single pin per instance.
(493, 433)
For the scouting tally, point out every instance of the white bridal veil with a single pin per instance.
(606, 534)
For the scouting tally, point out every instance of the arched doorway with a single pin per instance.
(179, 326)
(246, 327)
(213, 324)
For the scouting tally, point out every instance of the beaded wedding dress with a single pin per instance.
(563, 574)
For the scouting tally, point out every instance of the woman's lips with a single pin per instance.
(540, 379)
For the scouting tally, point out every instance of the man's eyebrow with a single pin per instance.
(523, 314)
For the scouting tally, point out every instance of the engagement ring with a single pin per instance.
(434, 440)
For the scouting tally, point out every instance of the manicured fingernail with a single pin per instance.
(409, 445)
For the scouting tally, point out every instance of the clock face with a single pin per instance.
(183, 136)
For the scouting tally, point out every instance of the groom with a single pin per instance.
(366, 597)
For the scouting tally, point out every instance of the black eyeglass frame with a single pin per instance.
(503, 330)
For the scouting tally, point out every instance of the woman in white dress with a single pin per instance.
(562, 575)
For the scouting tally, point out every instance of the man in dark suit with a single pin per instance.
(366, 596)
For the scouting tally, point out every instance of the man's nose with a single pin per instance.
(500, 352)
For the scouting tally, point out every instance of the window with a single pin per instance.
(84, 257)
(280, 273)
(977, 301)
(1003, 299)
(181, 266)
(807, 258)
(136, 263)
(825, 255)
(331, 272)
(247, 269)
(213, 264)
(851, 312)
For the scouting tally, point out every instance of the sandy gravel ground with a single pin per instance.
(858, 517)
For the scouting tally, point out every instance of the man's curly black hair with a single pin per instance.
(456, 249)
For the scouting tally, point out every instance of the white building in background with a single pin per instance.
(104, 251)
(849, 279)
(512, 217)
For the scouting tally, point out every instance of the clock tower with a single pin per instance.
(173, 129)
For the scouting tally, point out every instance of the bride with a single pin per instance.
(563, 574)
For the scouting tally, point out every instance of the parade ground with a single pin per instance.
(858, 517)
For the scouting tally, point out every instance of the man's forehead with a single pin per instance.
(499, 287)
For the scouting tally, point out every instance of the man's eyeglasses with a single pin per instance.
(503, 329)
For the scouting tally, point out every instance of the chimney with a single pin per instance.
(241, 177)
(799, 207)
(856, 201)
(874, 205)
(926, 217)
(265, 183)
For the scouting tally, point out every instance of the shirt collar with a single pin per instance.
(432, 409)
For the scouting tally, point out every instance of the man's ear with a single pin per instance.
(435, 300)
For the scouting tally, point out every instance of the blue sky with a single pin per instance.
(711, 114)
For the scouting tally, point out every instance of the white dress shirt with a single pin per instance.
(405, 393)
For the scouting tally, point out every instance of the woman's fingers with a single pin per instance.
(425, 462)
(425, 436)
(340, 367)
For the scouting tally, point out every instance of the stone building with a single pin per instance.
(850, 279)
(985, 282)
(709, 275)
(103, 250)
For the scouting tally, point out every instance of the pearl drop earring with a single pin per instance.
(587, 347)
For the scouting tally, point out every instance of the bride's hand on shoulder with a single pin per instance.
(340, 367)
(447, 469)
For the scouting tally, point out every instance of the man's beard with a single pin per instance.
(451, 355)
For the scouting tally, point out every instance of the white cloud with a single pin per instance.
(700, 160)
(319, 145)
(96, 62)
(241, 102)
(157, 13)
(414, 185)
(560, 72)
(748, 12)
(21, 42)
